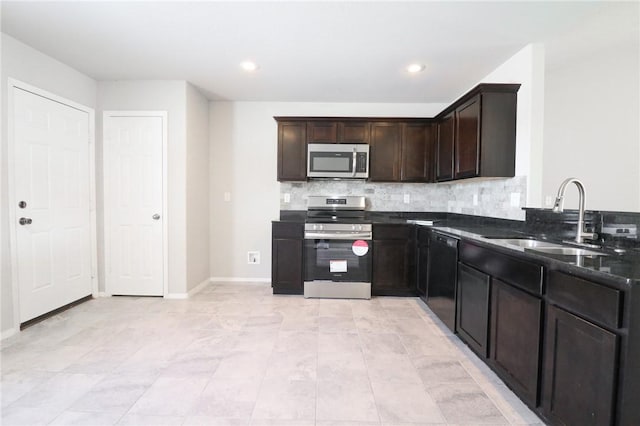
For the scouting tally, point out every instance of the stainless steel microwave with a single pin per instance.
(338, 161)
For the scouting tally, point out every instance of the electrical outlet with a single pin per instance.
(253, 257)
(287, 197)
(475, 199)
(227, 196)
(407, 198)
(515, 199)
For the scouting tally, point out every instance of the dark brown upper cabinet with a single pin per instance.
(467, 140)
(401, 152)
(353, 131)
(331, 131)
(322, 132)
(477, 134)
(292, 150)
(416, 150)
(444, 148)
(384, 151)
(473, 137)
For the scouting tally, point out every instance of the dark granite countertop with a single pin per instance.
(619, 269)
(613, 268)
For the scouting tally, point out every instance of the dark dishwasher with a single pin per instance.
(441, 286)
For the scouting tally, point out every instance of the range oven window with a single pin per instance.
(335, 260)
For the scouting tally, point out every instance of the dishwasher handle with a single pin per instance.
(451, 242)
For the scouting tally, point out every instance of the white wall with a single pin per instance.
(153, 96)
(243, 152)
(23, 63)
(592, 128)
(197, 169)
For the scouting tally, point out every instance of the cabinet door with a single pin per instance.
(416, 148)
(353, 132)
(286, 266)
(444, 148)
(393, 267)
(580, 370)
(292, 151)
(515, 338)
(384, 164)
(322, 132)
(472, 319)
(422, 262)
(467, 140)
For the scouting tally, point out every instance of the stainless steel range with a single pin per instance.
(337, 248)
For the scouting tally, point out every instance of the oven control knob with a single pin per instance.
(320, 227)
(314, 227)
(353, 227)
(359, 227)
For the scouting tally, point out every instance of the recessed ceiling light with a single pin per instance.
(415, 68)
(249, 66)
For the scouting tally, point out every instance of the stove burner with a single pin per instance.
(336, 209)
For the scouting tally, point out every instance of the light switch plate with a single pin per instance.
(227, 196)
(287, 197)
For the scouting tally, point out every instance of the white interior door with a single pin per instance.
(52, 203)
(133, 175)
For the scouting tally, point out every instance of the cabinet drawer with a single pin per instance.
(586, 298)
(393, 232)
(516, 272)
(287, 230)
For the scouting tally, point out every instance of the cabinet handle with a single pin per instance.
(354, 162)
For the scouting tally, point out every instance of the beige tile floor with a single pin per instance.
(234, 354)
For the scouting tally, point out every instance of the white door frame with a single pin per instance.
(165, 180)
(11, 85)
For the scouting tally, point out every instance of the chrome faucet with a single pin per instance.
(581, 234)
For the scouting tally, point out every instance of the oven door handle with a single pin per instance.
(337, 236)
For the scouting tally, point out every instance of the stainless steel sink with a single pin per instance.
(568, 251)
(525, 243)
(547, 247)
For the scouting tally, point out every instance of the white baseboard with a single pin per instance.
(190, 293)
(199, 287)
(239, 280)
(103, 294)
(176, 296)
(8, 333)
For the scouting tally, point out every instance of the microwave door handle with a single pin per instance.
(355, 156)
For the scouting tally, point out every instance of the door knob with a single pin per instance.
(155, 216)
(25, 221)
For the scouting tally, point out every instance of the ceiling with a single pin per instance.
(326, 51)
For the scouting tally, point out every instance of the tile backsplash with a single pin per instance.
(501, 198)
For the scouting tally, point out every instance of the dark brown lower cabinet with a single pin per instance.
(286, 258)
(422, 262)
(516, 319)
(581, 361)
(472, 315)
(393, 271)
